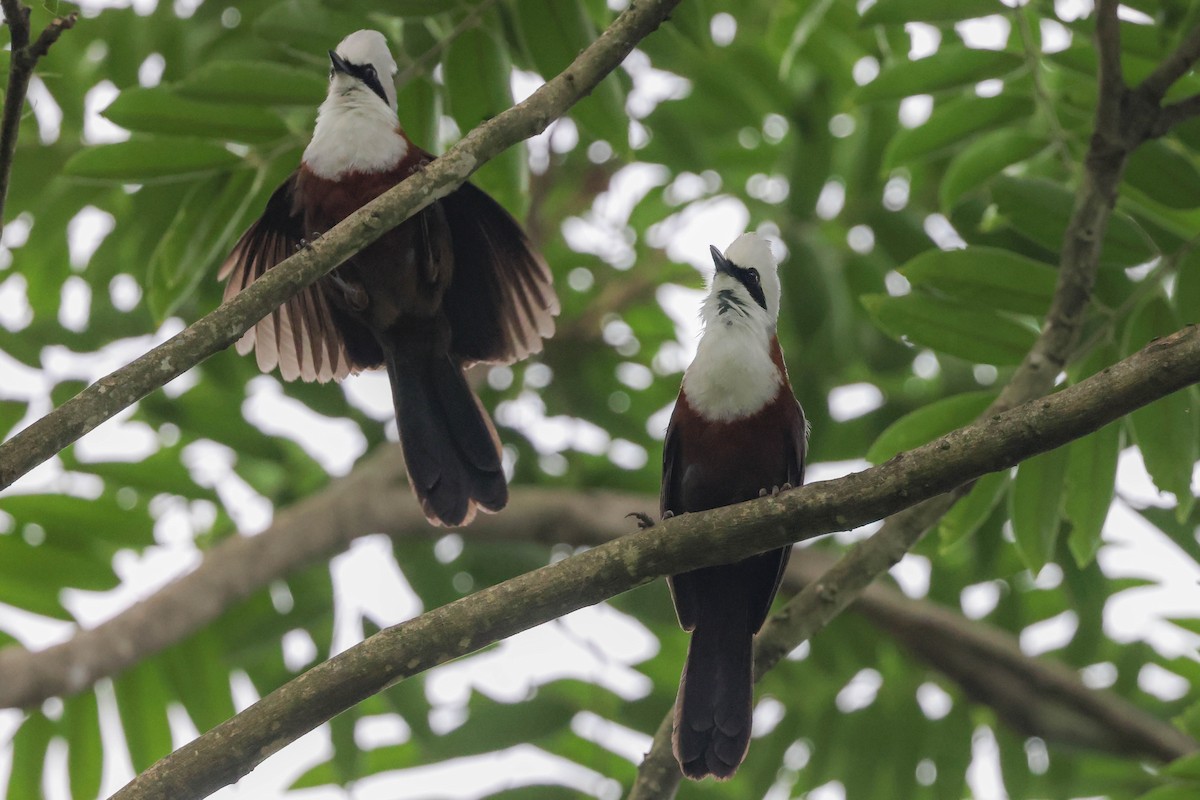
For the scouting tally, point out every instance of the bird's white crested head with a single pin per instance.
(371, 68)
(733, 374)
(745, 286)
(357, 129)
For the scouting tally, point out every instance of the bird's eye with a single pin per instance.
(754, 276)
(370, 70)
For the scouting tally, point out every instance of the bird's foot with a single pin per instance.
(774, 490)
(644, 522)
(307, 244)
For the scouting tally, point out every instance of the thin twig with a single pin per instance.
(1109, 76)
(1175, 114)
(24, 58)
(1172, 68)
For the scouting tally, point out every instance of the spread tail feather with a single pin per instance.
(714, 709)
(450, 446)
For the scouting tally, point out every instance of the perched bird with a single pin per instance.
(456, 284)
(737, 432)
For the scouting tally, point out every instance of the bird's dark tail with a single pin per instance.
(450, 445)
(714, 708)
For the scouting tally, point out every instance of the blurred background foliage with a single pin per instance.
(915, 160)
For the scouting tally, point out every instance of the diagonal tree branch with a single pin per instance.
(1175, 114)
(23, 59)
(690, 541)
(1079, 258)
(222, 327)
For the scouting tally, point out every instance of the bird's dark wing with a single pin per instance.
(668, 499)
(501, 301)
(683, 591)
(300, 336)
(766, 569)
(798, 455)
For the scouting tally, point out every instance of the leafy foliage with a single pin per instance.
(920, 257)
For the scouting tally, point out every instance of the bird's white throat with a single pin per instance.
(355, 132)
(732, 375)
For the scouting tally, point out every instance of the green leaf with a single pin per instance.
(927, 423)
(162, 471)
(309, 26)
(373, 762)
(85, 755)
(203, 231)
(142, 702)
(11, 412)
(417, 99)
(1091, 476)
(29, 757)
(476, 72)
(492, 725)
(977, 335)
(973, 166)
(1173, 792)
(985, 276)
(145, 159)
(255, 83)
(1165, 174)
(1189, 720)
(1041, 210)
(199, 675)
(159, 110)
(419, 8)
(896, 12)
(969, 513)
(554, 32)
(1191, 625)
(347, 758)
(1035, 504)
(82, 526)
(951, 123)
(951, 66)
(1187, 287)
(1166, 430)
(55, 567)
(33, 595)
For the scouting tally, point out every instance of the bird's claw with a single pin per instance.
(774, 490)
(643, 520)
(307, 244)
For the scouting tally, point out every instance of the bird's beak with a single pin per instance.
(722, 263)
(339, 64)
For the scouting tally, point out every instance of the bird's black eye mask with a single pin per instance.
(746, 277)
(364, 72)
